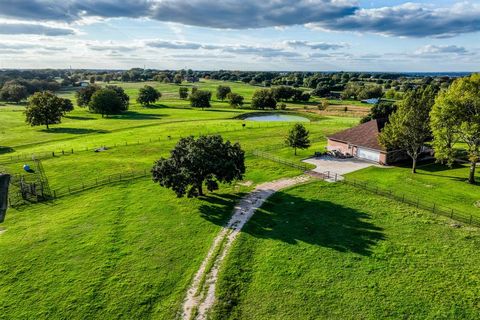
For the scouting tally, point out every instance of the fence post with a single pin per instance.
(53, 154)
(63, 151)
(72, 150)
(55, 194)
(433, 208)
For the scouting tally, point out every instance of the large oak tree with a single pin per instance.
(45, 108)
(408, 128)
(194, 163)
(455, 118)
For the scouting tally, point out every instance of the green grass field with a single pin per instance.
(435, 183)
(328, 251)
(129, 249)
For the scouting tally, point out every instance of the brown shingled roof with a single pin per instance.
(364, 135)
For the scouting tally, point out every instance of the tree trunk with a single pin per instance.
(295, 151)
(48, 127)
(414, 165)
(471, 178)
(200, 189)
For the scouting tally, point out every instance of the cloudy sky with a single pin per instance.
(313, 35)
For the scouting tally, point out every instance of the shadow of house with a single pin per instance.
(292, 219)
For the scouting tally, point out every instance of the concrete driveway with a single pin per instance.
(339, 166)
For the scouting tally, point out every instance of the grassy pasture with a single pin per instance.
(129, 250)
(328, 251)
(126, 250)
(120, 251)
(435, 183)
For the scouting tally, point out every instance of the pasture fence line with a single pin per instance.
(268, 156)
(17, 199)
(416, 202)
(99, 182)
(283, 145)
(41, 155)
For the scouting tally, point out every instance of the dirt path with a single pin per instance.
(201, 294)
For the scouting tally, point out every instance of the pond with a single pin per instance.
(277, 117)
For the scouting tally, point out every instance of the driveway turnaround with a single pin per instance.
(337, 166)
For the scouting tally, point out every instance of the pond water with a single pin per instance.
(277, 117)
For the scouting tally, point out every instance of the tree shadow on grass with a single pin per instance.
(79, 118)
(218, 208)
(293, 219)
(432, 169)
(4, 150)
(222, 110)
(132, 115)
(156, 106)
(74, 130)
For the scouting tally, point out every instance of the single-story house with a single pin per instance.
(362, 142)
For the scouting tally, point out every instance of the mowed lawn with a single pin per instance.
(124, 251)
(331, 251)
(433, 183)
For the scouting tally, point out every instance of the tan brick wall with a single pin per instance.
(340, 146)
(343, 148)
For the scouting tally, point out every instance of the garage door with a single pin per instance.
(368, 154)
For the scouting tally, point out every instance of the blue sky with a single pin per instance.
(311, 35)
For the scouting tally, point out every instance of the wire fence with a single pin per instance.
(416, 202)
(41, 155)
(293, 164)
(98, 182)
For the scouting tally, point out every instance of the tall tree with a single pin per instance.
(408, 128)
(200, 99)
(122, 95)
(85, 94)
(148, 95)
(222, 92)
(13, 92)
(381, 110)
(195, 163)
(106, 102)
(235, 100)
(178, 78)
(45, 108)
(183, 92)
(264, 99)
(456, 118)
(298, 137)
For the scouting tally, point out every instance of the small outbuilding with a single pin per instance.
(362, 142)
